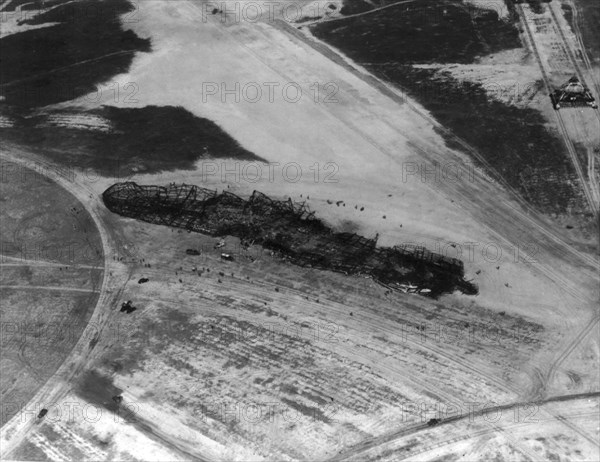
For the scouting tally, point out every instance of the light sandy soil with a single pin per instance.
(519, 433)
(375, 152)
(510, 76)
(11, 20)
(360, 387)
(499, 6)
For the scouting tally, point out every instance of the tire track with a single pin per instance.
(468, 197)
(266, 290)
(480, 433)
(579, 37)
(51, 288)
(391, 437)
(14, 431)
(527, 215)
(593, 205)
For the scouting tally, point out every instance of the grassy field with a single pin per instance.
(42, 222)
(141, 140)
(516, 142)
(88, 45)
(47, 298)
(416, 33)
(590, 18)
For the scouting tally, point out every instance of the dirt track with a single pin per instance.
(15, 430)
(372, 133)
(576, 124)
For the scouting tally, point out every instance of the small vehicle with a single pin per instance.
(433, 422)
(227, 257)
(42, 413)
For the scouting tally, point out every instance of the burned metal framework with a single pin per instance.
(291, 229)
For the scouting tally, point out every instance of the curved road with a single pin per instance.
(15, 430)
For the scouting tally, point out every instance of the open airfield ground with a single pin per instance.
(254, 358)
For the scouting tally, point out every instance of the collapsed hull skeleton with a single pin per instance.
(292, 230)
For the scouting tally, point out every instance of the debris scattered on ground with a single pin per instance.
(127, 307)
(290, 231)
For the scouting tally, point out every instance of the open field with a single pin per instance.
(77, 45)
(255, 358)
(115, 141)
(498, 113)
(264, 348)
(322, 351)
(50, 271)
(559, 55)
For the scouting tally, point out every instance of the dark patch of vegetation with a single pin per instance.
(144, 140)
(29, 5)
(568, 14)
(355, 6)
(98, 389)
(536, 6)
(59, 63)
(435, 32)
(311, 412)
(589, 16)
(514, 141)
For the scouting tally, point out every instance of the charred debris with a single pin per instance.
(291, 230)
(127, 307)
